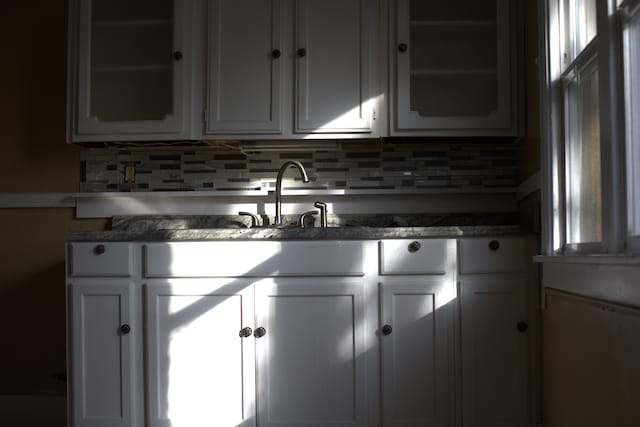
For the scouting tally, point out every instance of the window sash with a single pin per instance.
(631, 47)
(578, 28)
(582, 177)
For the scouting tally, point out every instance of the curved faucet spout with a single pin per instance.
(283, 168)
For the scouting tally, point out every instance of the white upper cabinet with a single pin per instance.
(332, 64)
(455, 68)
(289, 68)
(245, 67)
(129, 65)
(154, 70)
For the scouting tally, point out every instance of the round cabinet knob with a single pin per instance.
(245, 332)
(387, 329)
(125, 329)
(494, 245)
(414, 246)
(402, 47)
(99, 249)
(522, 326)
(302, 52)
(275, 53)
(260, 332)
(177, 55)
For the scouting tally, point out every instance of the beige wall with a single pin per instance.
(35, 158)
(530, 160)
(590, 363)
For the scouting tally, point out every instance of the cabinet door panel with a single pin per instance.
(310, 361)
(200, 371)
(488, 255)
(332, 84)
(494, 353)
(244, 74)
(101, 356)
(416, 353)
(454, 67)
(128, 80)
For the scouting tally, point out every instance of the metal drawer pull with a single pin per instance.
(125, 329)
(99, 249)
(387, 329)
(260, 332)
(494, 245)
(245, 332)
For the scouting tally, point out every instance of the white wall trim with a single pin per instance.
(293, 202)
(607, 282)
(36, 200)
(108, 204)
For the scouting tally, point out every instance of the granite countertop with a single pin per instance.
(341, 227)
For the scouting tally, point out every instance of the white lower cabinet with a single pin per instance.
(200, 366)
(498, 294)
(417, 353)
(102, 354)
(494, 338)
(318, 333)
(310, 347)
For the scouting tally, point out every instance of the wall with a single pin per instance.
(530, 154)
(590, 354)
(34, 158)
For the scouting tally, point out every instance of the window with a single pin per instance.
(582, 161)
(581, 140)
(630, 12)
(593, 127)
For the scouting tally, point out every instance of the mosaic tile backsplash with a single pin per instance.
(381, 167)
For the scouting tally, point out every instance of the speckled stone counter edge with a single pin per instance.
(331, 233)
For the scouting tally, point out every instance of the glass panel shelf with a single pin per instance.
(130, 68)
(478, 72)
(426, 23)
(133, 23)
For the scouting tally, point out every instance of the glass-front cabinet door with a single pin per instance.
(455, 67)
(131, 62)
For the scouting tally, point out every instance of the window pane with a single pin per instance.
(586, 23)
(579, 27)
(632, 91)
(584, 206)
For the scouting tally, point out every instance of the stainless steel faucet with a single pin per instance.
(305, 178)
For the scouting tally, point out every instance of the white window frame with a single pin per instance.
(585, 62)
(607, 47)
(630, 13)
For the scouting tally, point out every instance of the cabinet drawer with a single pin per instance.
(422, 256)
(253, 259)
(100, 259)
(499, 255)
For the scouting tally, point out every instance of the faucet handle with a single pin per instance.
(255, 219)
(304, 216)
(323, 213)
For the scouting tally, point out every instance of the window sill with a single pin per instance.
(599, 259)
